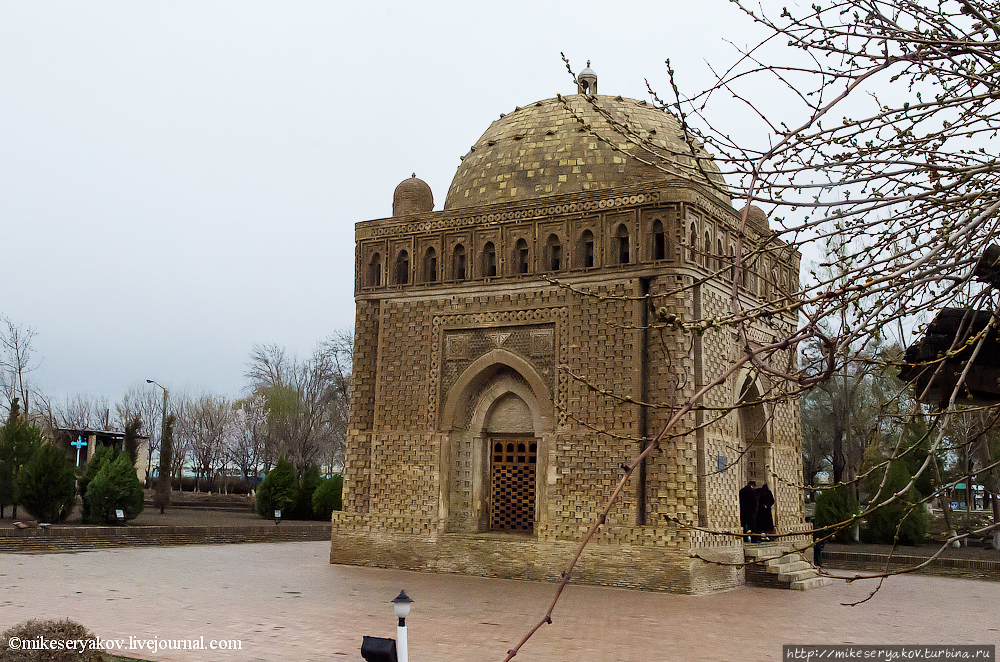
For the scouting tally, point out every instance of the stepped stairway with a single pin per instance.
(772, 565)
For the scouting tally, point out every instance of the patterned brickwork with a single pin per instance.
(462, 347)
(459, 339)
(401, 387)
(365, 362)
(358, 456)
(588, 468)
(404, 481)
(464, 471)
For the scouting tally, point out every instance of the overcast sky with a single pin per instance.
(180, 180)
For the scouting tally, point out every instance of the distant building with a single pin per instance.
(80, 445)
(470, 450)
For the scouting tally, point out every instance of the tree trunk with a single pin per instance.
(943, 497)
(839, 446)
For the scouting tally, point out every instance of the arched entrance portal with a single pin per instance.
(753, 433)
(500, 412)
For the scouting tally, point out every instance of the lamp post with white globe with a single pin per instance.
(401, 605)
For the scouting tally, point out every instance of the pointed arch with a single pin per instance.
(473, 379)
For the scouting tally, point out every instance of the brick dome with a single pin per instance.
(577, 143)
(757, 219)
(412, 196)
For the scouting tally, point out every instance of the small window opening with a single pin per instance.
(621, 235)
(489, 260)
(587, 249)
(402, 268)
(458, 262)
(521, 253)
(554, 250)
(659, 241)
(430, 265)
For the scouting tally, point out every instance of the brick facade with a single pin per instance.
(463, 342)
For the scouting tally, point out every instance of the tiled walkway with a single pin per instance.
(286, 602)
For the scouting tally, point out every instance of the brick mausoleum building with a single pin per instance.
(470, 450)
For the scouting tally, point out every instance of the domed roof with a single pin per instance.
(412, 196)
(577, 143)
(757, 219)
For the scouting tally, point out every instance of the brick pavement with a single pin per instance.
(286, 602)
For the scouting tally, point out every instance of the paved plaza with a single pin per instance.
(286, 602)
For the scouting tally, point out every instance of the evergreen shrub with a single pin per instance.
(277, 492)
(114, 487)
(46, 485)
(101, 456)
(833, 507)
(905, 514)
(327, 497)
(307, 485)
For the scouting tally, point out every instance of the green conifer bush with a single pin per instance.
(307, 485)
(835, 506)
(46, 485)
(327, 497)
(277, 492)
(904, 514)
(114, 487)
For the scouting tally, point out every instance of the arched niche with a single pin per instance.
(499, 399)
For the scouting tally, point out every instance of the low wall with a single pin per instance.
(74, 538)
(945, 567)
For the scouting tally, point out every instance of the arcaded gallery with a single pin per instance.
(501, 345)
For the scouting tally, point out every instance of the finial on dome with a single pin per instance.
(413, 176)
(586, 82)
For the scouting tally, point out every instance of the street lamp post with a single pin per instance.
(379, 649)
(163, 488)
(401, 605)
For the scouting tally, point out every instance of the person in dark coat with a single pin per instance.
(748, 506)
(764, 521)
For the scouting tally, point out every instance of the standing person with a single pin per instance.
(764, 520)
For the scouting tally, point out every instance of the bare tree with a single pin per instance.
(84, 412)
(247, 448)
(181, 447)
(339, 348)
(208, 423)
(306, 412)
(147, 404)
(16, 362)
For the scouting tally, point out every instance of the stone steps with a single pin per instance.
(772, 565)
